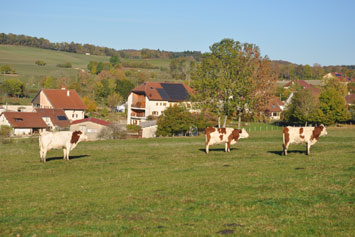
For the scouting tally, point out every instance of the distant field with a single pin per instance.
(170, 187)
(22, 59)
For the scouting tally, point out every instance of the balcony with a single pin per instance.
(138, 115)
(138, 105)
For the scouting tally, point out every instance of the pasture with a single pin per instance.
(170, 187)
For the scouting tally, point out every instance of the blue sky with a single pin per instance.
(299, 31)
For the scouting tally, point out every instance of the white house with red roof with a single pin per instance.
(152, 98)
(23, 123)
(65, 99)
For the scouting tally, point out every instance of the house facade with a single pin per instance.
(152, 98)
(23, 123)
(56, 119)
(274, 108)
(65, 99)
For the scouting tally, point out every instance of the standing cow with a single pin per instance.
(66, 140)
(229, 136)
(309, 135)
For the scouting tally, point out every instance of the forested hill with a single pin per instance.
(23, 40)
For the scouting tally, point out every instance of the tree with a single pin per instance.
(124, 87)
(333, 106)
(114, 99)
(114, 60)
(14, 87)
(6, 69)
(175, 120)
(233, 79)
(90, 104)
(303, 108)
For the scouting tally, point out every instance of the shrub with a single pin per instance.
(5, 131)
(113, 132)
(133, 127)
(64, 65)
(40, 63)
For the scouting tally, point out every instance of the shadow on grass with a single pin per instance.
(280, 153)
(70, 157)
(216, 149)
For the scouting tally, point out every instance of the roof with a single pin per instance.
(57, 116)
(24, 120)
(167, 91)
(350, 99)
(63, 99)
(341, 77)
(93, 120)
(274, 105)
(315, 91)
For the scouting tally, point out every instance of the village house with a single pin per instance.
(152, 98)
(91, 126)
(55, 119)
(274, 108)
(65, 99)
(23, 123)
(340, 76)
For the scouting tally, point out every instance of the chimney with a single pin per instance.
(63, 87)
(68, 92)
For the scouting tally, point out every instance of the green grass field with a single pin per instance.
(170, 187)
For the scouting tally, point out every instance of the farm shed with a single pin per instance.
(23, 123)
(91, 126)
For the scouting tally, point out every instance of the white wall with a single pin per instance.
(22, 131)
(74, 114)
(3, 121)
(149, 132)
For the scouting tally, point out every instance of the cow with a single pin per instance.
(66, 140)
(296, 135)
(229, 136)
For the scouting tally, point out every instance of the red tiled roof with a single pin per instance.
(315, 91)
(158, 90)
(61, 99)
(93, 120)
(341, 77)
(25, 120)
(274, 105)
(61, 121)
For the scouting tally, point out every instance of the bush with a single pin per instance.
(5, 131)
(6, 69)
(113, 132)
(40, 63)
(64, 65)
(133, 128)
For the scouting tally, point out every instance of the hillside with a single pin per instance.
(22, 59)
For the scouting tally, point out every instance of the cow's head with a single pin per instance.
(243, 133)
(323, 130)
(78, 136)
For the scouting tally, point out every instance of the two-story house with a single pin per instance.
(65, 99)
(152, 98)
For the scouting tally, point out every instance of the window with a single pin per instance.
(155, 113)
(157, 104)
(18, 119)
(164, 104)
(61, 117)
(72, 115)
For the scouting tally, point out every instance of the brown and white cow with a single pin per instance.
(66, 140)
(296, 135)
(229, 136)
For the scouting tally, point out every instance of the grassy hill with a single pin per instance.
(22, 59)
(170, 187)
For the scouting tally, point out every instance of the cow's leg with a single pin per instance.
(226, 147)
(65, 153)
(308, 148)
(207, 148)
(229, 147)
(285, 149)
(44, 154)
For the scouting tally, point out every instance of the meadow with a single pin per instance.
(170, 187)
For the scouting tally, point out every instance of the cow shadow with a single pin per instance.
(281, 153)
(70, 157)
(216, 149)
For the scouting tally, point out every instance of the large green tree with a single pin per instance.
(233, 79)
(14, 87)
(175, 120)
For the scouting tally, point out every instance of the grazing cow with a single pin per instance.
(229, 136)
(309, 135)
(66, 140)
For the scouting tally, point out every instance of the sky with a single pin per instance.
(298, 31)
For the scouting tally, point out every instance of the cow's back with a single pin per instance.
(55, 140)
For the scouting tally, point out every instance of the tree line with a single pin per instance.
(24, 40)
